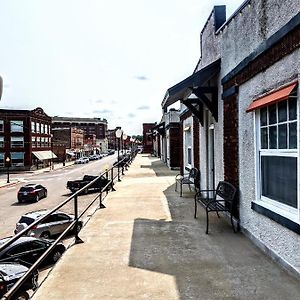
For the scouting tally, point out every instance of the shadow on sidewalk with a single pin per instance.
(220, 265)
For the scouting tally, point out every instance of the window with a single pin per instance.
(38, 127)
(17, 142)
(39, 142)
(16, 126)
(188, 142)
(17, 159)
(42, 128)
(2, 162)
(277, 145)
(1, 126)
(32, 126)
(189, 155)
(33, 142)
(1, 141)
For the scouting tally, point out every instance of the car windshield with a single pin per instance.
(26, 220)
(26, 189)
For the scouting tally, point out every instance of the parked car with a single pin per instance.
(82, 160)
(10, 273)
(26, 250)
(76, 185)
(31, 192)
(93, 157)
(111, 152)
(53, 225)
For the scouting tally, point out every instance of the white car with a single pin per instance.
(82, 160)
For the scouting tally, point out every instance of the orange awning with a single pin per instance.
(273, 97)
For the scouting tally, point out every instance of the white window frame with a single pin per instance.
(273, 205)
(17, 139)
(188, 130)
(33, 126)
(33, 141)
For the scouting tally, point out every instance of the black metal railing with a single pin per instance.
(111, 177)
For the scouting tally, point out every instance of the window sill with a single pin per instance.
(288, 223)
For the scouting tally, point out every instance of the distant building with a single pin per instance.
(90, 126)
(147, 137)
(111, 137)
(68, 143)
(25, 139)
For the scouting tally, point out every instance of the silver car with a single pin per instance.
(53, 225)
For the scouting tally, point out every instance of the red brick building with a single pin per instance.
(147, 137)
(25, 139)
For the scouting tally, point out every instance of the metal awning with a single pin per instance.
(186, 87)
(43, 155)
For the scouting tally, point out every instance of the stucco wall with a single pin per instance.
(209, 44)
(251, 27)
(278, 238)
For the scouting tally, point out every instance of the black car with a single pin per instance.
(31, 192)
(10, 273)
(26, 250)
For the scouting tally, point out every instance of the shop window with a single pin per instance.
(17, 159)
(16, 126)
(2, 161)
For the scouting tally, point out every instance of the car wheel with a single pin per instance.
(45, 235)
(56, 256)
(37, 198)
(23, 295)
(45, 194)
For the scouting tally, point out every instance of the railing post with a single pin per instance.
(122, 168)
(101, 205)
(112, 179)
(78, 240)
(106, 175)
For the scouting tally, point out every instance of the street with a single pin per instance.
(55, 182)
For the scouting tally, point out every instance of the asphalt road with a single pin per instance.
(55, 181)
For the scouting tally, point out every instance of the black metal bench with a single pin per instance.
(221, 199)
(192, 178)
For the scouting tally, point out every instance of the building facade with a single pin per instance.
(25, 139)
(244, 95)
(90, 126)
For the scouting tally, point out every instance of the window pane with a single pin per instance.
(282, 111)
(282, 136)
(293, 135)
(272, 114)
(264, 138)
(292, 109)
(16, 126)
(279, 179)
(263, 116)
(273, 137)
(1, 125)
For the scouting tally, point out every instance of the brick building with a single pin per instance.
(25, 138)
(90, 126)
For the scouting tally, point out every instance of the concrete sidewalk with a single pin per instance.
(146, 245)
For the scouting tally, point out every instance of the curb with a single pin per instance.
(9, 184)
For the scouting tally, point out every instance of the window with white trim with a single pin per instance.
(17, 159)
(38, 127)
(277, 145)
(1, 141)
(32, 126)
(188, 143)
(17, 142)
(16, 126)
(33, 142)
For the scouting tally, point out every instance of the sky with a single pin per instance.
(111, 59)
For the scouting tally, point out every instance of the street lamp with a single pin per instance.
(119, 133)
(8, 165)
